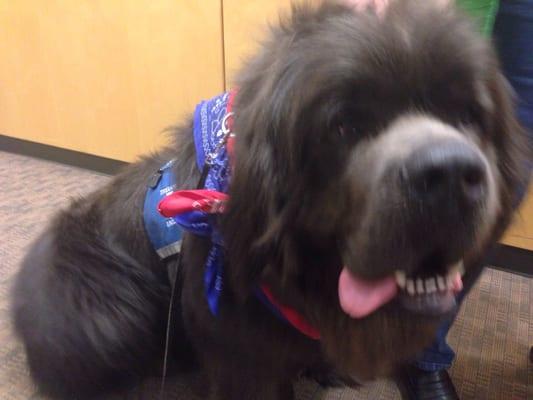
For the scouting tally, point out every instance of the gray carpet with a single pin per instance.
(492, 334)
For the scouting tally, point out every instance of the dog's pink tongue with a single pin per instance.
(359, 297)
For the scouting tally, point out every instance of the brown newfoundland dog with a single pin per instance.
(374, 158)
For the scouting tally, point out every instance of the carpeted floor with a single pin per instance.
(491, 336)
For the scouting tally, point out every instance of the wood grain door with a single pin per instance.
(245, 24)
(521, 233)
(106, 76)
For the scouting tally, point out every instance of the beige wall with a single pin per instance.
(521, 233)
(105, 76)
(245, 23)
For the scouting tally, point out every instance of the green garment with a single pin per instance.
(483, 11)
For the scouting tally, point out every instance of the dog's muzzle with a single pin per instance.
(432, 198)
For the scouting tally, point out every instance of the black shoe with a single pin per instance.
(416, 384)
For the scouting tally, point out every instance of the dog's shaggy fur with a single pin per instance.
(328, 114)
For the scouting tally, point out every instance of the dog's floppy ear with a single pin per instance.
(256, 216)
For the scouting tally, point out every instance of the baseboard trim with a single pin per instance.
(512, 259)
(58, 154)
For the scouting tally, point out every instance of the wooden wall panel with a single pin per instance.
(521, 233)
(245, 24)
(106, 76)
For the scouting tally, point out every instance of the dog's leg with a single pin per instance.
(229, 382)
(231, 375)
(327, 377)
(240, 360)
(90, 318)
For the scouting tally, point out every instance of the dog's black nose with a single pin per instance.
(440, 173)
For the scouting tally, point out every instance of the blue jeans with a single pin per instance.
(513, 33)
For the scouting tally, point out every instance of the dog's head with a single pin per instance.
(376, 156)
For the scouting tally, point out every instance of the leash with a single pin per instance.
(203, 203)
(169, 323)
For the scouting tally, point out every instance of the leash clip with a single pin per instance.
(226, 133)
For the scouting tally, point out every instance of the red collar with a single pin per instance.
(289, 314)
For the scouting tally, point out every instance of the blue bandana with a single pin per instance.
(209, 125)
(165, 233)
(211, 132)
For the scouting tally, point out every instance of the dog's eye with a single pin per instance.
(354, 132)
(471, 114)
(347, 128)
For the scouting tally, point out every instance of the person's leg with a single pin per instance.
(439, 356)
(428, 377)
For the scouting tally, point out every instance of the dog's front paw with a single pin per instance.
(327, 377)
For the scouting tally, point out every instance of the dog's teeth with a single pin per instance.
(410, 284)
(420, 286)
(457, 267)
(441, 283)
(449, 280)
(461, 268)
(400, 279)
(431, 285)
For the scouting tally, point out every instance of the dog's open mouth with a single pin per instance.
(428, 295)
